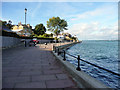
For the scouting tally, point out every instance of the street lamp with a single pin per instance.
(25, 15)
(25, 24)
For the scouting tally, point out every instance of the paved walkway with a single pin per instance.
(33, 67)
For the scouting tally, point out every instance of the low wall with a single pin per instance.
(9, 41)
(45, 40)
(83, 80)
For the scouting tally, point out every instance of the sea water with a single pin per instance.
(102, 53)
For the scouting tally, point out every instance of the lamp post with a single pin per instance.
(25, 24)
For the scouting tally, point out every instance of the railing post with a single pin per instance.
(58, 51)
(78, 68)
(64, 58)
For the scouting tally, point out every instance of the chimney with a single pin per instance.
(19, 23)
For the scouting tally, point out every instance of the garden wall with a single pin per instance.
(9, 41)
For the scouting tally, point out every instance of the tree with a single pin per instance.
(51, 35)
(56, 25)
(46, 35)
(4, 23)
(40, 29)
(69, 35)
(74, 38)
(9, 24)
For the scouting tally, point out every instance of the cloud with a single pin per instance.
(107, 10)
(100, 23)
(94, 31)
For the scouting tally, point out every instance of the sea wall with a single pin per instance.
(67, 46)
(83, 80)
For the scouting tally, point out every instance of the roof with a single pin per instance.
(17, 30)
(6, 29)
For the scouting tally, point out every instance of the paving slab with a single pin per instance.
(8, 85)
(10, 74)
(33, 67)
(31, 85)
(62, 76)
(44, 77)
(52, 71)
(60, 84)
(28, 73)
(16, 79)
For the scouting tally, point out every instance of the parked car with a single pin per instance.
(35, 40)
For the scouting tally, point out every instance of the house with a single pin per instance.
(6, 31)
(67, 36)
(22, 29)
(60, 36)
(4, 28)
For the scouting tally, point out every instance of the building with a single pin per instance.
(21, 29)
(63, 37)
(67, 36)
(4, 28)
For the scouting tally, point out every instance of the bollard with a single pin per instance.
(25, 44)
(58, 51)
(64, 58)
(78, 68)
(55, 49)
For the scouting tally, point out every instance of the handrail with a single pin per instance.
(71, 55)
(100, 67)
(78, 58)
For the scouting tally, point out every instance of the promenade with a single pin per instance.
(33, 67)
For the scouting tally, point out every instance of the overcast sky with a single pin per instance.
(87, 20)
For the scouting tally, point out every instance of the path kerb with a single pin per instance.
(83, 80)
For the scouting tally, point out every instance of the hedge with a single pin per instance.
(13, 34)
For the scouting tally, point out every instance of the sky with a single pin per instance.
(86, 20)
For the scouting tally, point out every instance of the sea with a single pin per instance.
(103, 53)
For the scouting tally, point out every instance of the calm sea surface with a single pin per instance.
(101, 53)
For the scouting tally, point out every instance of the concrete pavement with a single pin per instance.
(33, 67)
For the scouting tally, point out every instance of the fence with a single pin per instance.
(58, 51)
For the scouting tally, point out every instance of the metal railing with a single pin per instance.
(58, 51)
